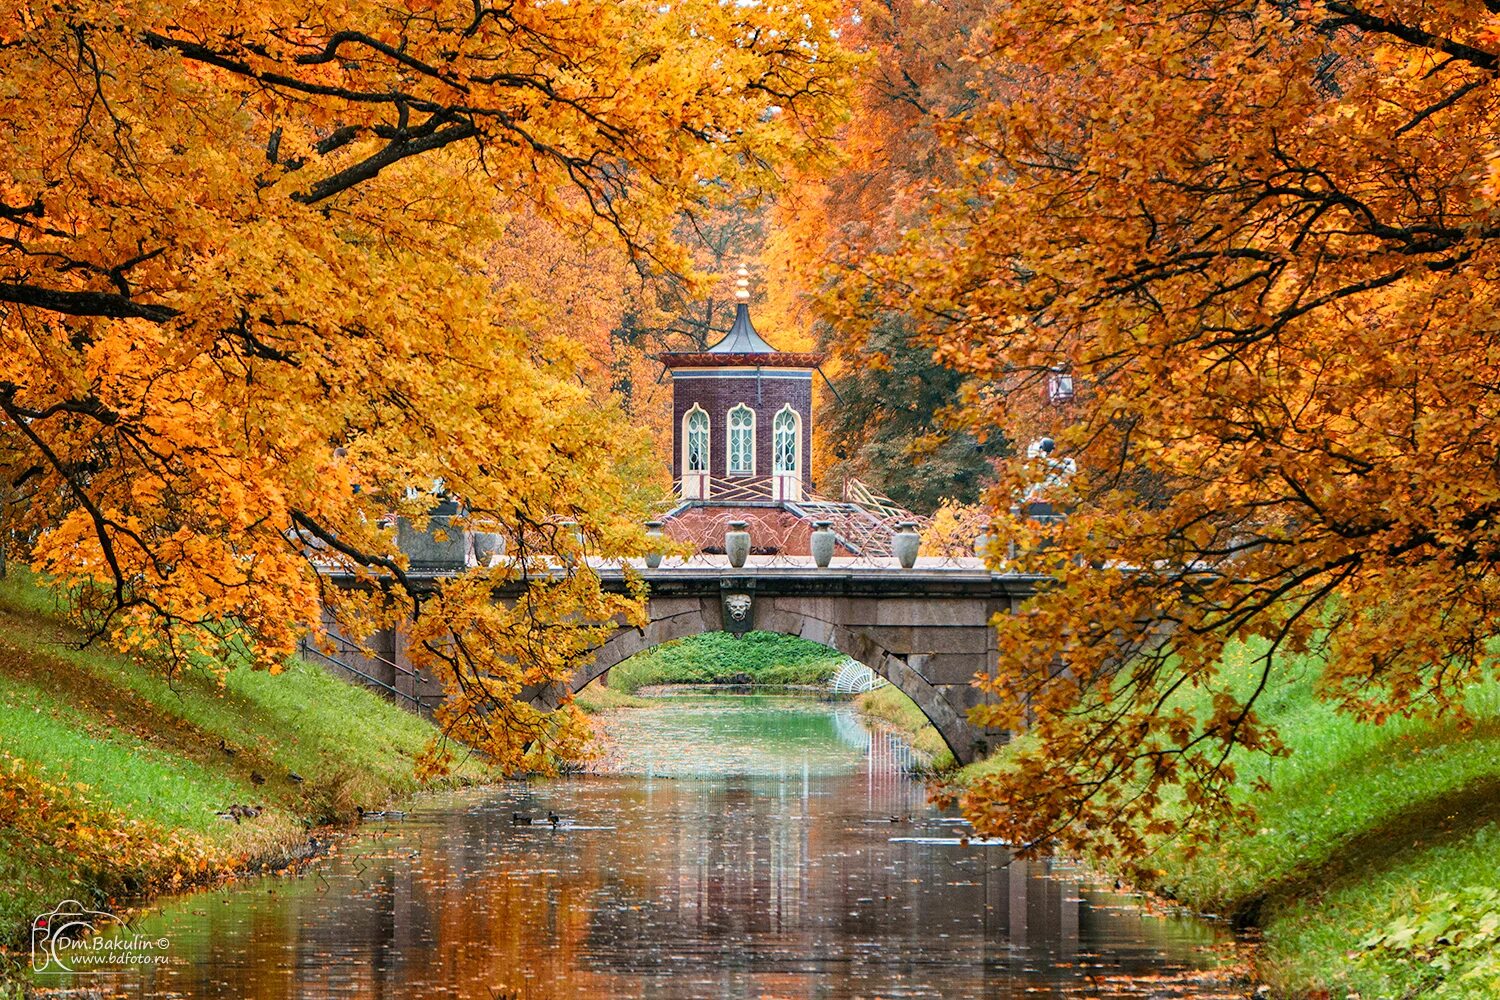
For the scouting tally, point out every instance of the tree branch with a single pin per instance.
(84, 303)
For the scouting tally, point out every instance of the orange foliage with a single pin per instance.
(269, 269)
(1262, 238)
(912, 80)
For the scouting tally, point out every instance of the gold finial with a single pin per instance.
(742, 284)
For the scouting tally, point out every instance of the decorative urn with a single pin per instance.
(821, 542)
(984, 541)
(905, 543)
(570, 542)
(653, 537)
(737, 543)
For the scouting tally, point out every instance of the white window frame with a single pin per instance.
(687, 442)
(729, 430)
(696, 485)
(787, 485)
(796, 469)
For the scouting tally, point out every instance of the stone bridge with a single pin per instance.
(927, 630)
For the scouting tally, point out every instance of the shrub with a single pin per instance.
(718, 658)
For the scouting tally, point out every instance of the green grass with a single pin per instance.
(145, 779)
(1362, 822)
(112, 740)
(762, 658)
(1322, 939)
(888, 704)
(304, 715)
(1343, 779)
(597, 698)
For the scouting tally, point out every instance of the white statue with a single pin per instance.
(1057, 470)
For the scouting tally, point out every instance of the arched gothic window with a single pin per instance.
(742, 441)
(695, 441)
(785, 443)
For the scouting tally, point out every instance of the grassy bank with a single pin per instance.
(1372, 868)
(720, 658)
(891, 707)
(112, 781)
(597, 698)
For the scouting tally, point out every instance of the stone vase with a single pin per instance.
(489, 547)
(737, 543)
(821, 543)
(984, 541)
(441, 548)
(905, 544)
(653, 537)
(570, 539)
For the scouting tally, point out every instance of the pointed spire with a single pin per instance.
(742, 338)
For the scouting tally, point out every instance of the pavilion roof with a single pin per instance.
(742, 345)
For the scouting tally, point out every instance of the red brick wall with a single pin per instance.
(717, 396)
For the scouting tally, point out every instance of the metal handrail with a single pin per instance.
(858, 493)
(854, 677)
(802, 511)
(354, 647)
(375, 681)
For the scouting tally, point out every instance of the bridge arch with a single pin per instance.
(679, 617)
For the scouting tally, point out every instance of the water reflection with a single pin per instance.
(764, 856)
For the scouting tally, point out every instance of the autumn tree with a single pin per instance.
(893, 423)
(251, 305)
(1262, 240)
(685, 315)
(596, 294)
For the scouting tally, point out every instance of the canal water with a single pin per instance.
(763, 847)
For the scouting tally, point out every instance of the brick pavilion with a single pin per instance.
(742, 418)
(742, 447)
